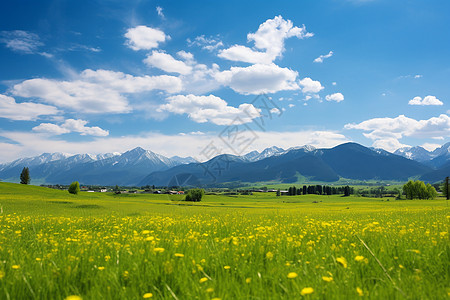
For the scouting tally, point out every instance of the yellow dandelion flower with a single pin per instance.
(401, 266)
(16, 267)
(149, 238)
(359, 291)
(359, 258)
(292, 275)
(101, 268)
(204, 279)
(327, 278)
(307, 291)
(146, 232)
(216, 298)
(248, 280)
(179, 255)
(38, 259)
(342, 261)
(73, 297)
(227, 267)
(147, 295)
(269, 255)
(159, 250)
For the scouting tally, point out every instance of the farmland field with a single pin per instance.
(99, 245)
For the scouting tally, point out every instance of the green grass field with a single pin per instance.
(104, 246)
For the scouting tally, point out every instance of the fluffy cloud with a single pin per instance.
(269, 42)
(322, 57)
(144, 38)
(338, 97)
(310, 86)
(166, 62)
(21, 41)
(74, 95)
(259, 78)
(26, 111)
(389, 144)
(126, 83)
(71, 125)
(95, 91)
(428, 100)
(386, 130)
(202, 109)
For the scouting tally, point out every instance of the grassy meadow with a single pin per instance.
(103, 246)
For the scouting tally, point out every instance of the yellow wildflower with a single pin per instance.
(16, 267)
(179, 255)
(327, 278)
(307, 291)
(204, 279)
(248, 280)
(227, 267)
(159, 250)
(359, 258)
(341, 260)
(73, 297)
(147, 295)
(359, 291)
(292, 275)
(269, 255)
(101, 268)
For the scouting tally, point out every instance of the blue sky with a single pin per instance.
(175, 76)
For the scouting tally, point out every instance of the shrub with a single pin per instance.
(74, 188)
(195, 195)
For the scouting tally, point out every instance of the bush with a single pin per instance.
(418, 190)
(195, 195)
(74, 188)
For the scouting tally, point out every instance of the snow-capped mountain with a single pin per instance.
(127, 168)
(268, 152)
(435, 158)
(416, 153)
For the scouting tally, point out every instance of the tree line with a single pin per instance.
(319, 190)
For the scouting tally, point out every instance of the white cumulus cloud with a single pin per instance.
(259, 78)
(386, 130)
(428, 100)
(202, 109)
(25, 111)
(100, 91)
(268, 42)
(166, 62)
(71, 125)
(144, 38)
(338, 97)
(310, 86)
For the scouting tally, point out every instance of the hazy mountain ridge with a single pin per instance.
(141, 167)
(436, 158)
(349, 160)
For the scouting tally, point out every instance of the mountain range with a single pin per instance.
(143, 167)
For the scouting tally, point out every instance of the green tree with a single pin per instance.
(418, 190)
(195, 195)
(346, 191)
(278, 193)
(445, 188)
(25, 176)
(74, 188)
